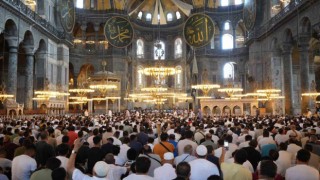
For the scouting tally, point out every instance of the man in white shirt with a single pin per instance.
(186, 156)
(202, 168)
(24, 165)
(248, 138)
(142, 166)
(281, 137)
(266, 139)
(293, 148)
(302, 170)
(63, 151)
(95, 132)
(284, 160)
(186, 141)
(59, 138)
(115, 172)
(124, 149)
(166, 171)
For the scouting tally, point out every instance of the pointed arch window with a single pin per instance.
(169, 17)
(178, 15)
(178, 48)
(238, 2)
(140, 15)
(228, 70)
(148, 17)
(140, 48)
(227, 41)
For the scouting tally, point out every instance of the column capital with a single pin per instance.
(12, 41)
(29, 49)
(286, 48)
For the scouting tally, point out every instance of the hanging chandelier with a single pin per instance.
(3, 94)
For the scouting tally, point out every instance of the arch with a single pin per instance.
(178, 77)
(85, 71)
(226, 110)
(28, 38)
(169, 17)
(305, 25)
(287, 36)
(240, 34)
(178, 15)
(148, 17)
(273, 44)
(216, 111)
(237, 110)
(10, 28)
(178, 48)
(140, 76)
(79, 4)
(227, 41)
(206, 111)
(228, 70)
(140, 48)
(159, 50)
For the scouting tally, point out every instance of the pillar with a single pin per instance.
(96, 32)
(13, 65)
(29, 77)
(234, 38)
(83, 34)
(304, 71)
(287, 76)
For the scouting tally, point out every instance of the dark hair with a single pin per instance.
(183, 169)
(273, 154)
(303, 155)
(109, 159)
(229, 138)
(132, 154)
(308, 147)
(115, 150)
(58, 174)
(65, 139)
(164, 137)
(240, 156)
(142, 165)
(125, 140)
(283, 146)
(248, 138)
(253, 143)
(95, 131)
(63, 149)
(96, 140)
(43, 135)
(265, 133)
(80, 134)
(53, 163)
(188, 134)
(268, 168)
(214, 177)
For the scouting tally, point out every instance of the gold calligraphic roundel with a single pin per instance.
(198, 30)
(118, 31)
(67, 14)
(249, 13)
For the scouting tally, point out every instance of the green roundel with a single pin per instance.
(118, 31)
(67, 14)
(198, 30)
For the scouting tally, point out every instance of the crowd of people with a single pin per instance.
(141, 145)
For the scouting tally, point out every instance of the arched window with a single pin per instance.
(169, 17)
(148, 17)
(212, 42)
(140, 15)
(140, 48)
(140, 76)
(79, 4)
(159, 50)
(178, 77)
(178, 15)
(227, 26)
(178, 48)
(227, 41)
(92, 4)
(224, 2)
(238, 2)
(228, 70)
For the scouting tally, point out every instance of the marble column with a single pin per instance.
(234, 38)
(287, 76)
(304, 70)
(96, 32)
(83, 34)
(13, 65)
(29, 77)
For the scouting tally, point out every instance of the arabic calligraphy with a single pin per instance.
(198, 30)
(118, 31)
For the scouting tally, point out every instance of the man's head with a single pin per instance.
(208, 136)
(183, 170)
(283, 146)
(268, 169)
(53, 163)
(201, 151)
(142, 165)
(303, 156)
(63, 149)
(100, 169)
(248, 138)
(188, 149)
(168, 157)
(240, 156)
(30, 150)
(59, 174)
(109, 159)
(97, 140)
(188, 134)
(164, 137)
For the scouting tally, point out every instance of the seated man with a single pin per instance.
(142, 166)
